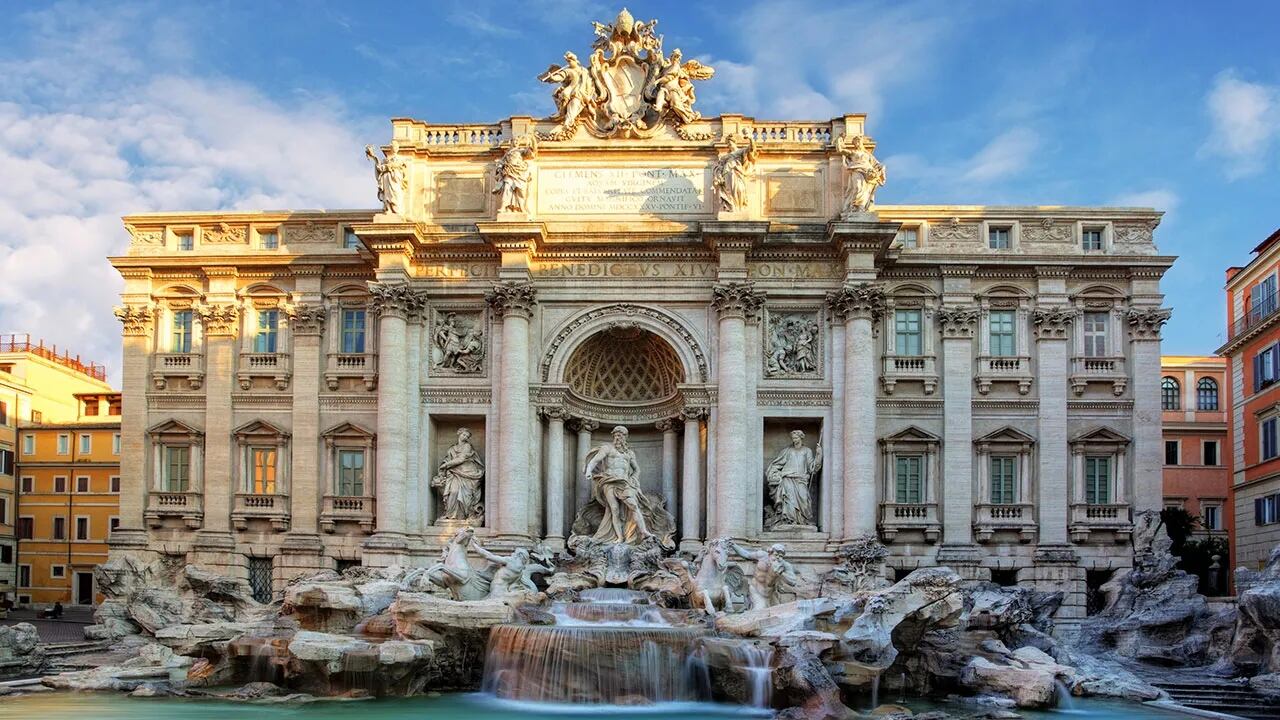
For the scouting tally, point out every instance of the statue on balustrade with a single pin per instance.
(866, 175)
(619, 511)
(392, 175)
(513, 173)
(773, 576)
(789, 479)
(731, 172)
(460, 478)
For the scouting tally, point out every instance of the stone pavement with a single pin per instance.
(69, 628)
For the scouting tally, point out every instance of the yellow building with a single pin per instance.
(39, 384)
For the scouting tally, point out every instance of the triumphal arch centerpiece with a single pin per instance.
(632, 323)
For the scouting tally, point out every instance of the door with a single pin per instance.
(84, 588)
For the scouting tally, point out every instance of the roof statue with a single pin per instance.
(628, 88)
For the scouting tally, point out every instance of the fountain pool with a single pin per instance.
(105, 706)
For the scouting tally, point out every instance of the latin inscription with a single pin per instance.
(623, 191)
(677, 270)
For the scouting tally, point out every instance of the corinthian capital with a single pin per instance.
(957, 321)
(218, 318)
(511, 298)
(863, 300)
(306, 318)
(1145, 323)
(136, 319)
(1052, 322)
(393, 299)
(736, 299)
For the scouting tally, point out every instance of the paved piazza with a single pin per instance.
(974, 385)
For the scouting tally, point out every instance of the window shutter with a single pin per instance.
(1257, 511)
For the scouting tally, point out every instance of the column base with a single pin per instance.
(691, 545)
(385, 549)
(965, 559)
(555, 542)
(1056, 554)
(300, 554)
(127, 539)
(215, 551)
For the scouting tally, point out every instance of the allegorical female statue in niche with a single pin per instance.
(460, 478)
(789, 479)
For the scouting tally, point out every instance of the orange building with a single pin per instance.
(1253, 401)
(68, 502)
(1196, 476)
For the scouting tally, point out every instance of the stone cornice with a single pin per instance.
(514, 298)
(736, 299)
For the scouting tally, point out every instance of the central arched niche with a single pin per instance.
(627, 368)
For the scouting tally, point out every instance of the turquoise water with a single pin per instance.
(105, 706)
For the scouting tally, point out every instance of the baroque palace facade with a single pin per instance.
(976, 386)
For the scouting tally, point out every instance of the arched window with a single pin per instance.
(1170, 398)
(1207, 394)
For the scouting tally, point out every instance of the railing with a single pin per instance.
(764, 132)
(1006, 514)
(1260, 309)
(262, 361)
(1108, 514)
(910, 513)
(22, 343)
(348, 504)
(178, 362)
(347, 508)
(908, 365)
(1097, 366)
(461, 134)
(350, 361)
(173, 500)
(1004, 365)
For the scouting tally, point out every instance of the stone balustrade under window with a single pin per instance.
(1085, 370)
(909, 368)
(919, 517)
(187, 368)
(351, 365)
(990, 518)
(269, 365)
(349, 509)
(271, 507)
(1004, 368)
(1110, 517)
(187, 506)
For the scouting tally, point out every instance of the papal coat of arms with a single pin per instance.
(628, 88)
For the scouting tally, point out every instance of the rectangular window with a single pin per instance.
(909, 238)
(177, 468)
(113, 406)
(1091, 239)
(1211, 517)
(6, 554)
(25, 529)
(260, 579)
(4, 413)
(351, 473)
(86, 444)
(1097, 480)
(909, 479)
(268, 331)
(60, 485)
(82, 528)
(353, 331)
(29, 444)
(24, 576)
(1170, 452)
(1262, 298)
(82, 484)
(114, 484)
(907, 337)
(1004, 480)
(4, 513)
(1211, 452)
(186, 241)
(1003, 334)
(115, 444)
(1268, 440)
(91, 407)
(263, 467)
(349, 239)
(113, 523)
(27, 485)
(6, 462)
(269, 239)
(1266, 369)
(64, 444)
(59, 528)
(1095, 334)
(57, 571)
(1264, 509)
(180, 336)
(999, 238)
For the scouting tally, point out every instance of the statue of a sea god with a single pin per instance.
(790, 481)
(619, 511)
(865, 176)
(460, 478)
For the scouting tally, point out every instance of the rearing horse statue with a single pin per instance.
(454, 573)
(718, 580)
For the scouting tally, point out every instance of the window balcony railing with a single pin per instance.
(273, 508)
(270, 365)
(921, 517)
(187, 366)
(1260, 310)
(1091, 517)
(351, 365)
(1004, 368)
(1085, 370)
(992, 517)
(188, 506)
(900, 368)
(348, 509)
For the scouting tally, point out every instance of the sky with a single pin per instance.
(108, 109)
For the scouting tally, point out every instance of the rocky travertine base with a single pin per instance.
(20, 651)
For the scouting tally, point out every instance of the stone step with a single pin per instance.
(1222, 697)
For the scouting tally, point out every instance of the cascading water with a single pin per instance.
(753, 660)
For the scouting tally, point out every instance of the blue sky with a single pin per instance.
(113, 108)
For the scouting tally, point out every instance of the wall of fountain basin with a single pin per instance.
(609, 648)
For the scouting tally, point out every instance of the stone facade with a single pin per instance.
(588, 278)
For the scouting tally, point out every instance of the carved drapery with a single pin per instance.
(736, 299)
(957, 321)
(511, 298)
(1145, 323)
(136, 319)
(1052, 323)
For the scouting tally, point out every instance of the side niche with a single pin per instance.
(791, 484)
(458, 469)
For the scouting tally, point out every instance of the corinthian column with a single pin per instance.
(513, 301)
(1052, 326)
(734, 302)
(306, 487)
(691, 479)
(958, 323)
(392, 303)
(861, 305)
(1144, 338)
(669, 462)
(554, 457)
(138, 322)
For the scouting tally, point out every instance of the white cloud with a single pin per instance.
(87, 136)
(1006, 155)
(1002, 158)
(1245, 124)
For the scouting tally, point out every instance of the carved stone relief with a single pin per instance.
(458, 343)
(792, 344)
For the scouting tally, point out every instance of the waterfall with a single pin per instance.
(754, 660)
(1062, 696)
(612, 595)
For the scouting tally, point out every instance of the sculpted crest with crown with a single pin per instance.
(628, 88)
